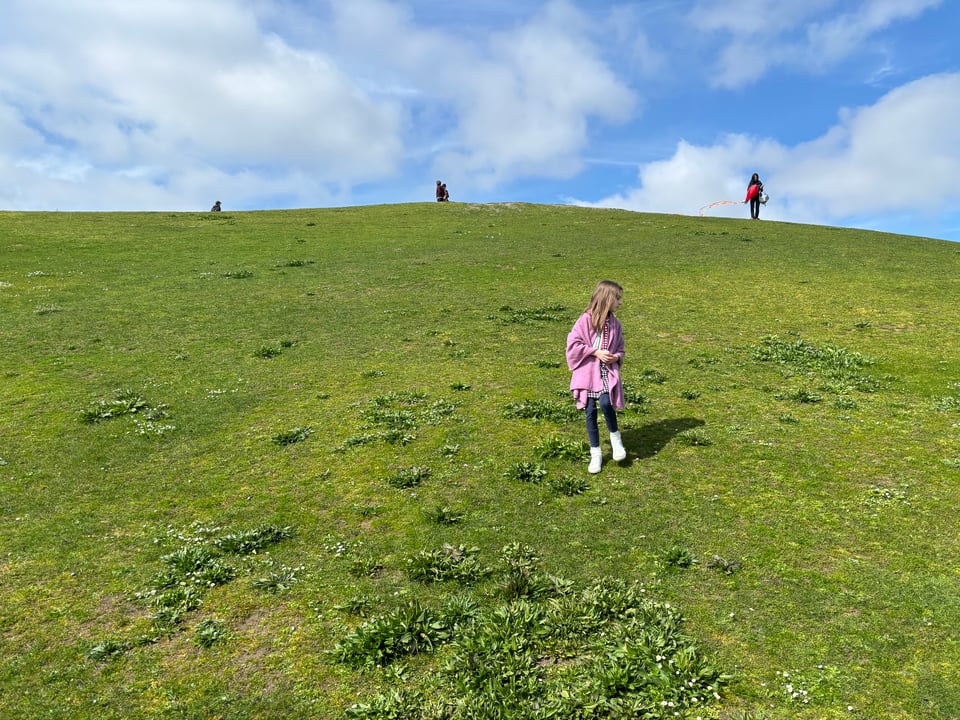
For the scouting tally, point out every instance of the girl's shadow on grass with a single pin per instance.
(650, 439)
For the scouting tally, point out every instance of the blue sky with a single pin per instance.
(848, 109)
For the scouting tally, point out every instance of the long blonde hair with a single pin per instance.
(605, 296)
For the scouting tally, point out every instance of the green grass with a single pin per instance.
(387, 385)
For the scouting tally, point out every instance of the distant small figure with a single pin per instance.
(754, 191)
(442, 194)
(216, 207)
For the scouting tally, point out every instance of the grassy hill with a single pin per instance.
(323, 463)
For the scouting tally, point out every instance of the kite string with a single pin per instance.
(720, 202)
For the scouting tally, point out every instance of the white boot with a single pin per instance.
(616, 442)
(596, 460)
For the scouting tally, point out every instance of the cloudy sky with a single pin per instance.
(848, 109)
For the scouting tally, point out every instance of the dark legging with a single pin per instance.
(755, 207)
(609, 415)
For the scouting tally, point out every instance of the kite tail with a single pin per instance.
(721, 202)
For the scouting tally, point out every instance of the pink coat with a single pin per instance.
(585, 366)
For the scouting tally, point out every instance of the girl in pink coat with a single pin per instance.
(595, 350)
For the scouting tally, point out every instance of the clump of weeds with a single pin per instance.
(408, 477)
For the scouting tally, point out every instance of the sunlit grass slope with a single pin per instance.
(238, 450)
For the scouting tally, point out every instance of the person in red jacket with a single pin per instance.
(754, 191)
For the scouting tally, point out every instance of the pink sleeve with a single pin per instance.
(579, 344)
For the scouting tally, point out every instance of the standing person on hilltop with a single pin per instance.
(754, 191)
(442, 194)
(595, 350)
(216, 207)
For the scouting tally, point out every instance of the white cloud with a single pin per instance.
(902, 152)
(792, 34)
(163, 92)
(751, 19)
(899, 155)
(520, 100)
(526, 111)
(181, 86)
(696, 176)
(830, 41)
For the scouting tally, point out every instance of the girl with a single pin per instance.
(594, 352)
